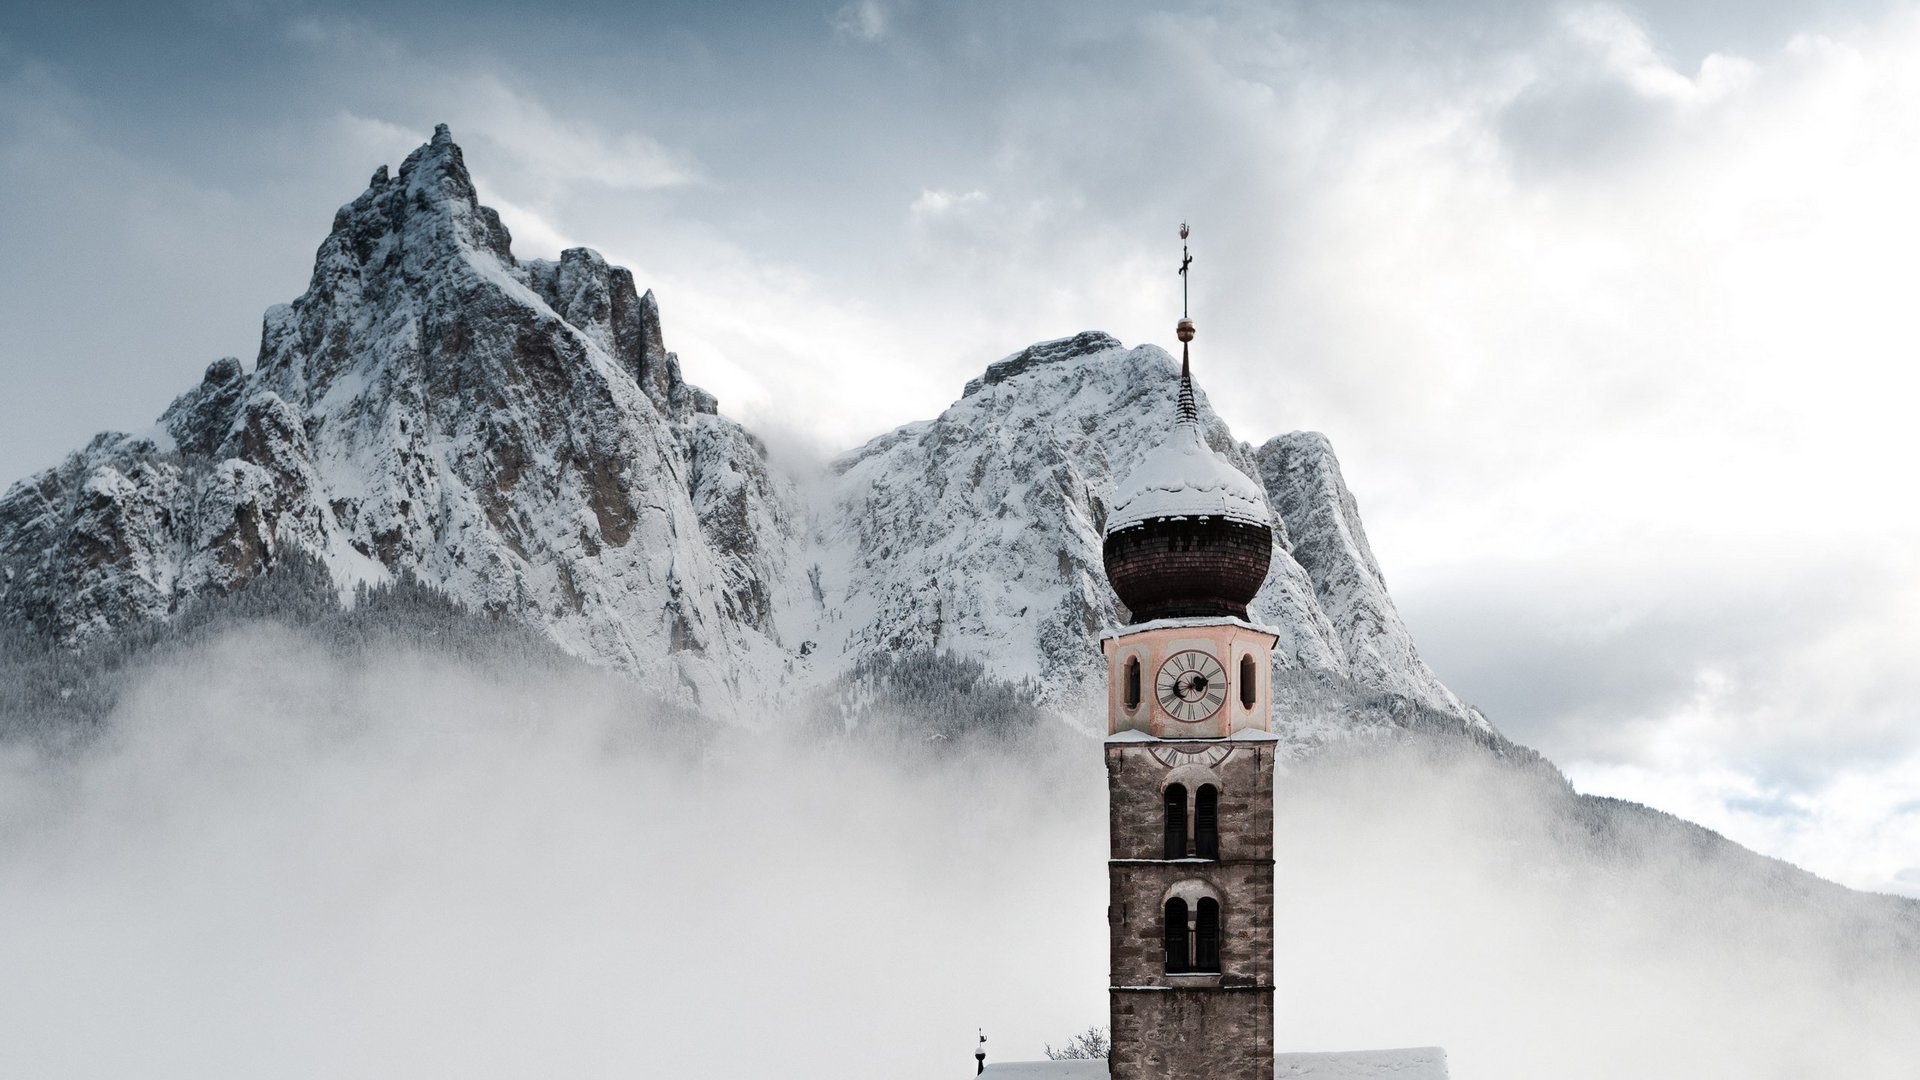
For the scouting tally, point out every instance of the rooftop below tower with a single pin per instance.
(1414, 1063)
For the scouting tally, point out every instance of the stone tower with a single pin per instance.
(1190, 753)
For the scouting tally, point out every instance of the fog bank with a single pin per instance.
(279, 862)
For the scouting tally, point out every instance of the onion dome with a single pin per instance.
(1189, 535)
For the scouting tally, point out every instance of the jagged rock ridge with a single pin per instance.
(980, 531)
(515, 433)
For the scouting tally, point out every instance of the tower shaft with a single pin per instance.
(1190, 755)
(1190, 868)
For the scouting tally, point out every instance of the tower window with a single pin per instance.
(1131, 682)
(1192, 932)
(1179, 936)
(1206, 935)
(1176, 822)
(1246, 680)
(1206, 822)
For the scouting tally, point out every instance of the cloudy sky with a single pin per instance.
(1607, 308)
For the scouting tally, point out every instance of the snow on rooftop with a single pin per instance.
(1192, 620)
(1412, 1063)
(1183, 477)
(1066, 1069)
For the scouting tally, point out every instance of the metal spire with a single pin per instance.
(1189, 413)
(1186, 260)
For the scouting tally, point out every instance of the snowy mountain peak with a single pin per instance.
(1085, 343)
(431, 198)
(517, 435)
(980, 532)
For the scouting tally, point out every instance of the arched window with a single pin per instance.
(1206, 822)
(1178, 936)
(1246, 681)
(1132, 682)
(1176, 805)
(1206, 935)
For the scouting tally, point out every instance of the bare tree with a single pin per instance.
(1091, 1043)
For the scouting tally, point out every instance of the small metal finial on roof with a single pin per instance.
(1186, 260)
(1189, 413)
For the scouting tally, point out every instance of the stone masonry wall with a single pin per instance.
(1136, 776)
(1137, 940)
(1192, 1034)
(1176, 1026)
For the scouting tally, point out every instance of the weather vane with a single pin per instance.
(1186, 260)
(1185, 328)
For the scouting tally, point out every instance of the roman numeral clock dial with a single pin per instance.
(1191, 686)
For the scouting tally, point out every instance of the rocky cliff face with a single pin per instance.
(516, 434)
(513, 432)
(980, 531)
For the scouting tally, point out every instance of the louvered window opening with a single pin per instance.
(1206, 936)
(1206, 822)
(1246, 681)
(1176, 822)
(1178, 938)
(1132, 681)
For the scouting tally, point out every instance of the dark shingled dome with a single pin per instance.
(1190, 535)
(1187, 567)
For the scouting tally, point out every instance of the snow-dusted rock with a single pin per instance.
(1302, 478)
(517, 435)
(980, 531)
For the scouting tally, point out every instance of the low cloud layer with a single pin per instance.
(280, 863)
(1570, 286)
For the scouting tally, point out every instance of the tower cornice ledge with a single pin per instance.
(1198, 620)
(1190, 861)
(1243, 735)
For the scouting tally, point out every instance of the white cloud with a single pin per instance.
(375, 139)
(534, 235)
(553, 149)
(563, 150)
(342, 34)
(864, 20)
(1859, 827)
(1624, 46)
(933, 203)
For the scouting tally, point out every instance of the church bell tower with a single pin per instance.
(1190, 755)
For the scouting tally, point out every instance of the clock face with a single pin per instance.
(1191, 686)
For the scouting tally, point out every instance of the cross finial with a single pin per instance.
(1184, 331)
(1186, 260)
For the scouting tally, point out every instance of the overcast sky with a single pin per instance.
(1608, 309)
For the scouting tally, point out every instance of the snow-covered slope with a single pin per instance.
(516, 434)
(980, 531)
